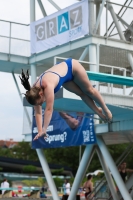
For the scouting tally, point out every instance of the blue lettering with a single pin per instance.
(75, 31)
(63, 23)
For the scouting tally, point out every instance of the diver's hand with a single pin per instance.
(40, 134)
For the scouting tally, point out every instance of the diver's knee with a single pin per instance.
(80, 94)
(90, 91)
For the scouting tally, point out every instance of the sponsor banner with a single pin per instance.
(66, 129)
(59, 28)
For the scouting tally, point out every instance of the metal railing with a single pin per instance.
(10, 42)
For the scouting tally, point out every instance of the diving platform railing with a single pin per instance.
(15, 36)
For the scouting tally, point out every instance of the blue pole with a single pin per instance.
(113, 169)
(107, 174)
(47, 173)
(81, 170)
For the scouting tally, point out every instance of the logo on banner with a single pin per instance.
(40, 31)
(60, 27)
(76, 17)
(60, 24)
(63, 23)
(51, 27)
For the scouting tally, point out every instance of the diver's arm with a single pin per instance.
(38, 116)
(49, 97)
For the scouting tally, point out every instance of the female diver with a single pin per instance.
(72, 76)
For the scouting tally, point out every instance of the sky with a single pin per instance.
(11, 109)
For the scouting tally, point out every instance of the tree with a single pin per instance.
(36, 183)
(68, 156)
(23, 151)
(57, 171)
(29, 169)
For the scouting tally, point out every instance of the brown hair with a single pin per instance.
(89, 176)
(32, 93)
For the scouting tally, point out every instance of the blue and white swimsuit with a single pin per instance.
(68, 77)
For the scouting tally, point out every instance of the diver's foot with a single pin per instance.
(101, 115)
(108, 115)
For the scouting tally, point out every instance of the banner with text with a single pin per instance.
(66, 129)
(59, 28)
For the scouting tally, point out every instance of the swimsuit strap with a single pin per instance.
(45, 73)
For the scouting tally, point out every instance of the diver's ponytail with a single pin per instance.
(24, 80)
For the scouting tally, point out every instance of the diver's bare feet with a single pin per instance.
(108, 115)
(101, 115)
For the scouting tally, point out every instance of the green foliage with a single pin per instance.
(27, 183)
(57, 171)
(29, 169)
(58, 182)
(71, 180)
(21, 151)
(41, 181)
(116, 150)
(95, 164)
(35, 183)
(5, 152)
(68, 156)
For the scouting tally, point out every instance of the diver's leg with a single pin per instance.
(81, 79)
(73, 87)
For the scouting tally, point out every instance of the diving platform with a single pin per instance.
(121, 107)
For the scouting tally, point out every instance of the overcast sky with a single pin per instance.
(11, 109)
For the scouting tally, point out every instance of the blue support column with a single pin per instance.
(113, 169)
(86, 158)
(107, 174)
(47, 173)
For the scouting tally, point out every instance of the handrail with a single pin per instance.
(14, 38)
(85, 62)
(14, 22)
(10, 34)
(23, 188)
